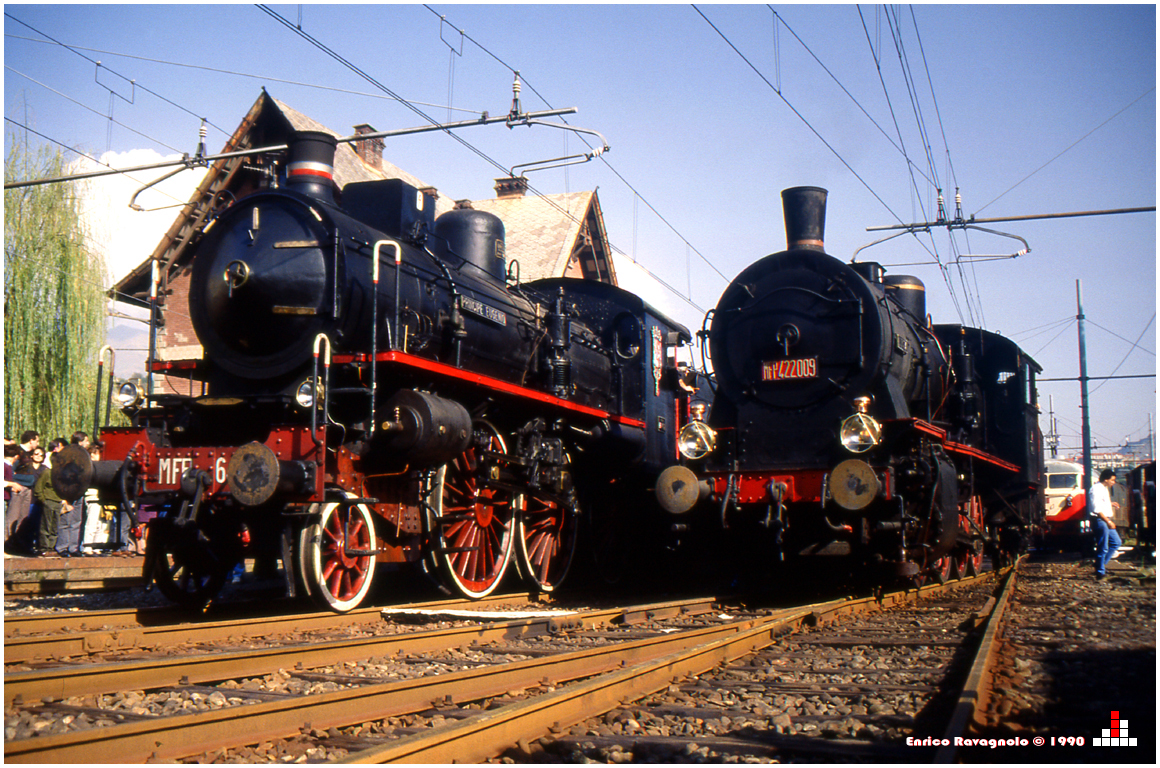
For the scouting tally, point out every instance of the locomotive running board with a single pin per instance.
(959, 448)
(433, 366)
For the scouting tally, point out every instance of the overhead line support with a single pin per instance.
(961, 223)
(190, 162)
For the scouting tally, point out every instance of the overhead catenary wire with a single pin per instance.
(603, 159)
(110, 169)
(821, 138)
(1135, 346)
(797, 113)
(250, 75)
(90, 109)
(916, 108)
(390, 94)
(1069, 148)
(117, 74)
(354, 68)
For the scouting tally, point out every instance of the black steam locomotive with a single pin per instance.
(378, 390)
(845, 423)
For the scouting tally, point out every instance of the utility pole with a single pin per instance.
(1083, 393)
(1152, 454)
(1053, 435)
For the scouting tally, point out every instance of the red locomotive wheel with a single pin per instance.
(547, 538)
(968, 562)
(942, 569)
(472, 524)
(334, 576)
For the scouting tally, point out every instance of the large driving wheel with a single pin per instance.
(547, 539)
(942, 568)
(472, 523)
(335, 555)
(185, 567)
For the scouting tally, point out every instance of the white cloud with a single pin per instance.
(127, 237)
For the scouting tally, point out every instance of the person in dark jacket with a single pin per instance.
(51, 505)
(23, 514)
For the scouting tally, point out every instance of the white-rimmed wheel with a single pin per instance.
(335, 555)
(472, 522)
(547, 540)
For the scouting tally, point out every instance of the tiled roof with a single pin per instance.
(348, 166)
(541, 230)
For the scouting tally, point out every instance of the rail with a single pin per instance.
(610, 674)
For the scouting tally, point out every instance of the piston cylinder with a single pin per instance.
(423, 429)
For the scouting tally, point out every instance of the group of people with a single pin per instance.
(37, 522)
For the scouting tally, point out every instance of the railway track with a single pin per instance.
(72, 635)
(449, 689)
(887, 687)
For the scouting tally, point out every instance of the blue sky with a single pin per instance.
(1027, 110)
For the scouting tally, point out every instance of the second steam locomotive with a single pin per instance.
(376, 390)
(845, 423)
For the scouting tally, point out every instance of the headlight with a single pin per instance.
(304, 397)
(696, 440)
(860, 433)
(128, 396)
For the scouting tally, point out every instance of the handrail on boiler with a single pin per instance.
(375, 317)
(322, 337)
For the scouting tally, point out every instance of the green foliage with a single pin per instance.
(54, 301)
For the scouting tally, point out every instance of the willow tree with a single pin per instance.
(54, 300)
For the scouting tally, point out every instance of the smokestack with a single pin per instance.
(310, 164)
(805, 217)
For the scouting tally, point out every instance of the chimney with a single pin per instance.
(310, 164)
(369, 150)
(805, 217)
(511, 186)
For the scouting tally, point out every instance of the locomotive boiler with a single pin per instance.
(845, 423)
(376, 391)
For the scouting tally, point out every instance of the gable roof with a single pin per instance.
(554, 235)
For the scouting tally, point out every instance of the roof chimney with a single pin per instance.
(369, 150)
(511, 186)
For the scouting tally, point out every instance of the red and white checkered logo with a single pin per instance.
(1116, 736)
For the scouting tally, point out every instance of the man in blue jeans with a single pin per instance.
(1102, 506)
